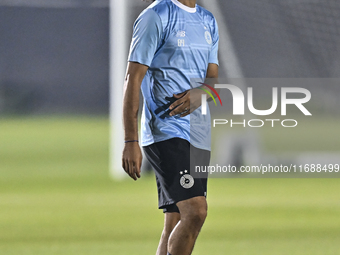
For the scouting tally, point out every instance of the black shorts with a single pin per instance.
(171, 161)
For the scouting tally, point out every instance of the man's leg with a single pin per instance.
(170, 221)
(193, 212)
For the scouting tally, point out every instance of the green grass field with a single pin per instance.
(56, 197)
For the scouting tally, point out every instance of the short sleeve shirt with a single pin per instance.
(177, 43)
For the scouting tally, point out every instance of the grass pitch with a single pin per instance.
(56, 198)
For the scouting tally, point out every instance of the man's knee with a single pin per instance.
(193, 210)
(198, 216)
(170, 221)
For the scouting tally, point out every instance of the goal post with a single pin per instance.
(118, 56)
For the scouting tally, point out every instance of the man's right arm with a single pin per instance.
(132, 155)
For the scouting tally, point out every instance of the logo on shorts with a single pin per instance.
(187, 181)
(208, 37)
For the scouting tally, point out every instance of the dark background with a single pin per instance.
(56, 60)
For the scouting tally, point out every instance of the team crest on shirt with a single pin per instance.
(208, 37)
(186, 181)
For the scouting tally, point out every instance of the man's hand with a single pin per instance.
(190, 100)
(132, 155)
(132, 160)
(186, 102)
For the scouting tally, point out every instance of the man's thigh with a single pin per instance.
(171, 162)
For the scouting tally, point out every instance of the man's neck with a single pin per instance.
(189, 3)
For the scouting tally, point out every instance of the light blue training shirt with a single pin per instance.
(177, 43)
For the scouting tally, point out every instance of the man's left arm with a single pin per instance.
(190, 100)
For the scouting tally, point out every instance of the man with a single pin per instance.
(173, 42)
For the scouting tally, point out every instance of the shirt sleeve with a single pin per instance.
(147, 33)
(213, 57)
